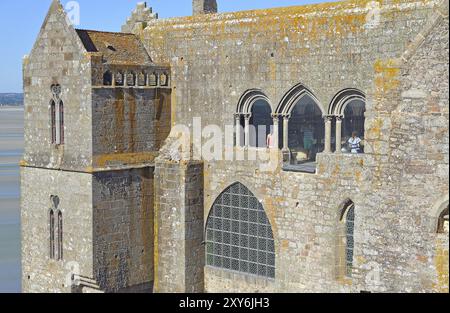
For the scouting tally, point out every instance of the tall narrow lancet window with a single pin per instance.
(57, 116)
(52, 234)
(56, 229)
(61, 122)
(53, 121)
(348, 219)
(60, 235)
(239, 235)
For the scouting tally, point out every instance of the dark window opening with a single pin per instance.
(306, 131)
(61, 122)
(60, 236)
(53, 121)
(353, 127)
(52, 234)
(261, 123)
(107, 78)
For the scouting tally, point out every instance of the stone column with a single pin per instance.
(338, 134)
(286, 132)
(247, 130)
(275, 134)
(237, 118)
(113, 79)
(328, 123)
(179, 224)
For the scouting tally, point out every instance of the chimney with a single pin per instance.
(204, 7)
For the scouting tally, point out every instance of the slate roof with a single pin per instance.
(116, 48)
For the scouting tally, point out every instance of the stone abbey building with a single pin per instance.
(120, 192)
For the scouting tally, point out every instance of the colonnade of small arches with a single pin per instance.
(127, 78)
(300, 123)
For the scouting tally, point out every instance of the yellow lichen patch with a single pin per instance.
(270, 209)
(23, 163)
(375, 128)
(442, 265)
(386, 75)
(358, 176)
(105, 160)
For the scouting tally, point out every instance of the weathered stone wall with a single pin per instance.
(58, 58)
(328, 48)
(124, 122)
(179, 252)
(39, 272)
(123, 230)
(130, 125)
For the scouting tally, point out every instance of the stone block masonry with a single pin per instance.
(135, 210)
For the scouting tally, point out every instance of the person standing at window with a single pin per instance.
(354, 143)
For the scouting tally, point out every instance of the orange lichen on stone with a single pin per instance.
(442, 268)
(386, 75)
(106, 160)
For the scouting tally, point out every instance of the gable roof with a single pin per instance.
(116, 48)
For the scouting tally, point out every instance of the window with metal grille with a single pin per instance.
(350, 242)
(239, 236)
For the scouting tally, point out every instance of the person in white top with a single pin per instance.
(355, 143)
(271, 140)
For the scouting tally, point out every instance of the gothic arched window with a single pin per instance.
(61, 122)
(52, 233)
(57, 116)
(60, 235)
(261, 122)
(53, 121)
(348, 218)
(239, 236)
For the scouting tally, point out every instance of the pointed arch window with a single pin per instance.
(346, 240)
(350, 241)
(52, 233)
(60, 236)
(55, 230)
(56, 116)
(53, 121)
(239, 236)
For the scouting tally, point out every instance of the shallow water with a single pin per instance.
(11, 149)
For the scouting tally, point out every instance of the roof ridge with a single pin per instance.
(105, 32)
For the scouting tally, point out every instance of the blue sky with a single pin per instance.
(20, 21)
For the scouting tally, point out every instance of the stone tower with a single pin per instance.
(204, 6)
(97, 110)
